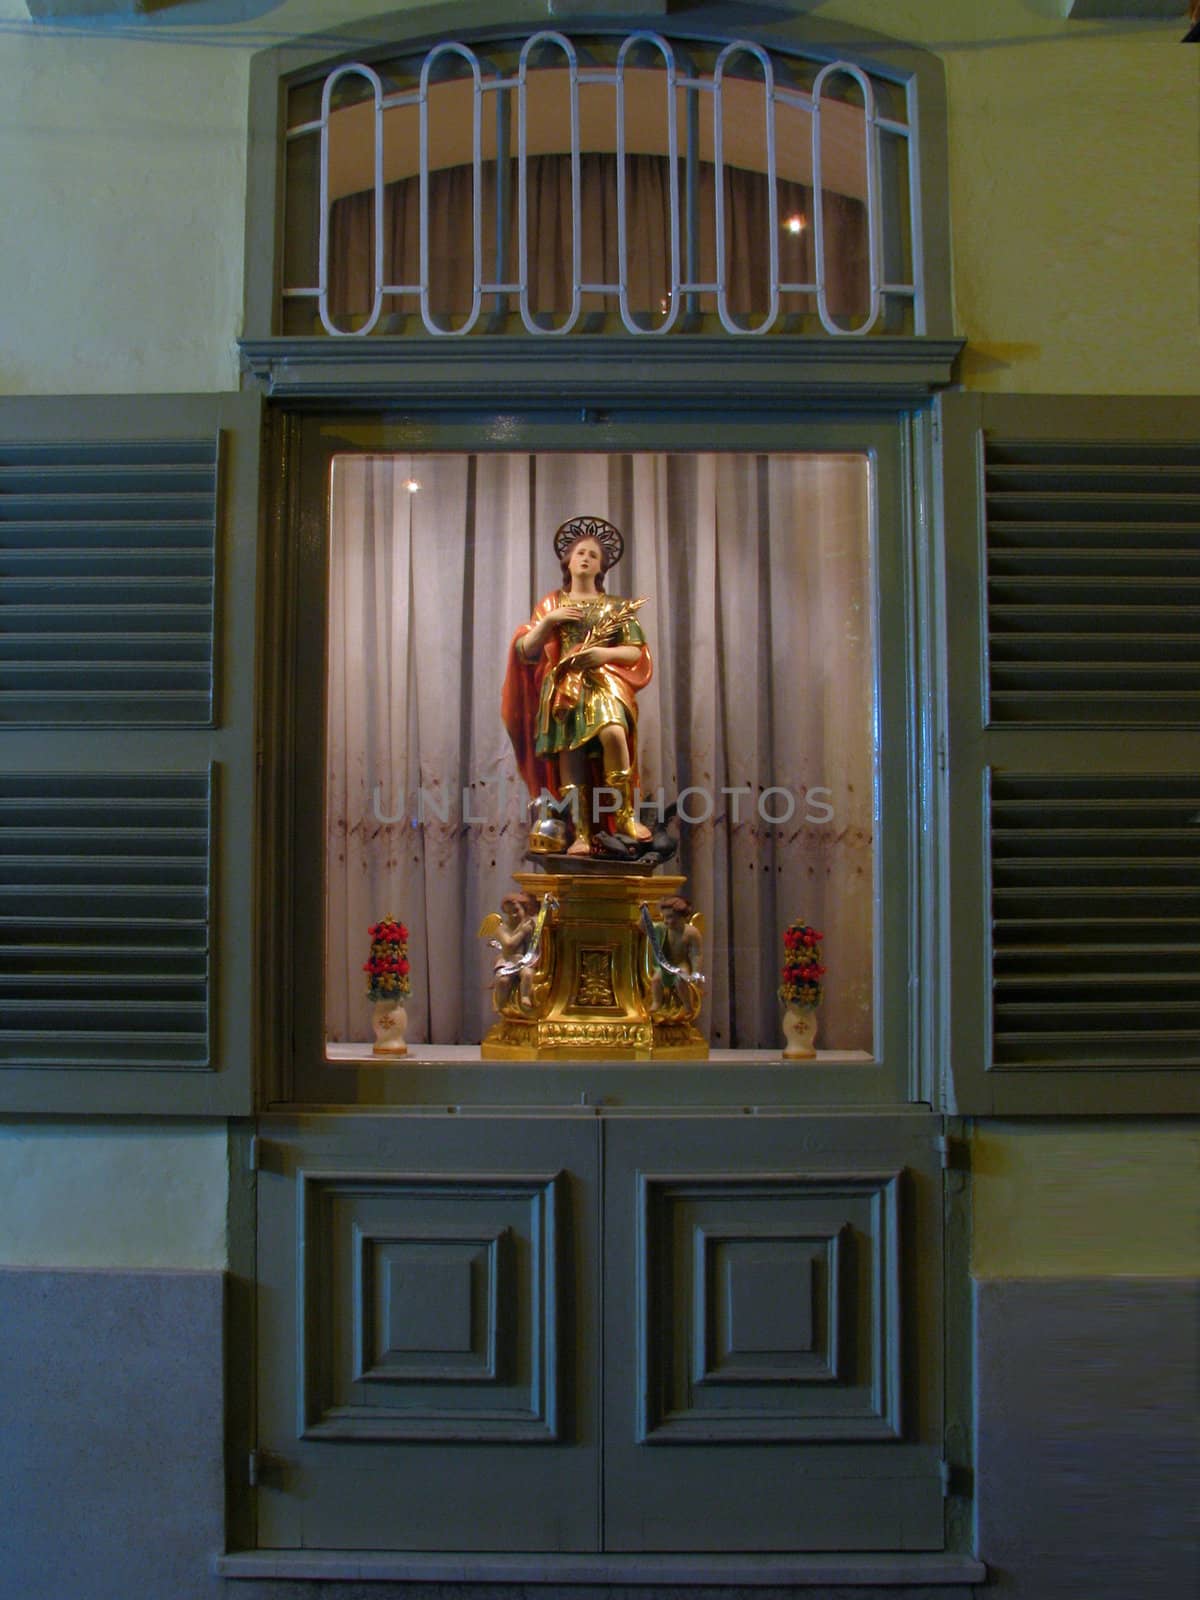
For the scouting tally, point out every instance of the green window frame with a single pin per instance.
(904, 1067)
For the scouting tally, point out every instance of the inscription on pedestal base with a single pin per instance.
(593, 1040)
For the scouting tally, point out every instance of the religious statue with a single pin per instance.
(581, 955)
(570, 691)
(674, 950)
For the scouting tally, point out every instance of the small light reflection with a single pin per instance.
(411, 485)
(796, 223)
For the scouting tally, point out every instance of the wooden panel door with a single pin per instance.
(427, 1333)
(773, 1328)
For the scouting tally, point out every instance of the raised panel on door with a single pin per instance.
(427, 1333)
(773, 1328)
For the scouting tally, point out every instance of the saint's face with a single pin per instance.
(585, 560)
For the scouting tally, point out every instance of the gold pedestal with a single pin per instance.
(589, 996)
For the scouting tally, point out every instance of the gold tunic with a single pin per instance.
(590, 699)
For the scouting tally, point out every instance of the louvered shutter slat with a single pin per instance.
(1104, 872)
(107, 573)
(104, 918)
(1085, 548)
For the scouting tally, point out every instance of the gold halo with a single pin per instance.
(612, 545)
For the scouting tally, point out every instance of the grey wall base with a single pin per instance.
(111, 1483)
(111, 1417)
(1088, 1438)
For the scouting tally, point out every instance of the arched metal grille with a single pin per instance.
(696, 115)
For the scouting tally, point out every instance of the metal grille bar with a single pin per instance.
(532, 325)
(674, 298)
(331, 83)
(874, 230)
(685, 284)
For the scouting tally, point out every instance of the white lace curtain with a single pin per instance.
(759, 623)
(549, 236)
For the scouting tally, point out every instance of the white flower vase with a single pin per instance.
(390, 1022)
(800, 1031)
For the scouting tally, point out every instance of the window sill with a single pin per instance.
(458, 1055)
(437, 1077)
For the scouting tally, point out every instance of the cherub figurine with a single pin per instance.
(675, 948)
(513, 931)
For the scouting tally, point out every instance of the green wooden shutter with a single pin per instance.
(128, 540)
(1072, 562)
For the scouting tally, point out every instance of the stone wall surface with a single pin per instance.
(1088, 1441)
(111, 1413)
(111, 1399)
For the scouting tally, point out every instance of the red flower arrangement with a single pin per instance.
(387, 969)
(802, 972)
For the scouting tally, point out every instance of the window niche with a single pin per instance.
(376, 813)
(758, 721)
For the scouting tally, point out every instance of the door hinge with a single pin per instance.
(263, 1156)
(955, 1153)
(958, 1482)
(261, 1467)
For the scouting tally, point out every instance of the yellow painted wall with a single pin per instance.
(1074, 173)
(76, 1194)
(122, 186)
(1084, 1199)
(1074, 193)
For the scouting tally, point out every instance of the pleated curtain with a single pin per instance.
(549, 241)
(757, 571)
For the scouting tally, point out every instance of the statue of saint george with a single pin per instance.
(570, 691)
